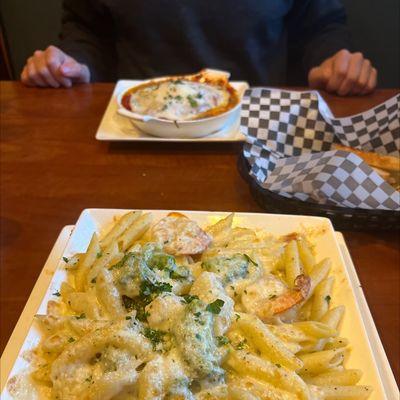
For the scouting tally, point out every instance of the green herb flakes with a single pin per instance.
(154, 335)
(222, 340)
(193, 103)
(215, 306)
(328, 298)
(189, 298)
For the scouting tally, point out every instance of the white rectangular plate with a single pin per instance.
(114, 127)
(367, 352)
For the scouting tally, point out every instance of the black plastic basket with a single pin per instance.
(341, 217)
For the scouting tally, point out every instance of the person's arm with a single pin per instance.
(87, 49)
(319, 35)
(88, 36)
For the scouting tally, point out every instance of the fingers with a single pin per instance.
(74, 70)
(25, 77)
(341, 61)
(363, 77)
(318, 77)
(345, 74)
(54, 58)
(351, 78)
(42, 69)
(33, 75)
(372, 81)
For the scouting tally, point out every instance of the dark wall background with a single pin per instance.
(375, 26)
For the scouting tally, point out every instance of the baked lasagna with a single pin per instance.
(183, 98)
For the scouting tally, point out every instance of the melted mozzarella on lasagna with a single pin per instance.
(178, 99)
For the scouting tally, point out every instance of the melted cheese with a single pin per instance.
(178, 99)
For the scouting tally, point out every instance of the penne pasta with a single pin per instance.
(292, 263)
(87, 260)
(321, 361)
(345, 392)
(142, 317)
(346, 377)
(322, 298)
(108, 257)
(275, 374)
(135, 231)
(121, 226)
(269, 346)
(336, 343)
(306, 256)
(315, 329)
(318, 273)
(333, 317)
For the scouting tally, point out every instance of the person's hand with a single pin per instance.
(344, 73)
(53, 68)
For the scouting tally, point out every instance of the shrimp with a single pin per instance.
(270, 296)
(180, 236)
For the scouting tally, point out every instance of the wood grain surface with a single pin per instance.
(52, 168)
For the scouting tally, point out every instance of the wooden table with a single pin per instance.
(52, 168)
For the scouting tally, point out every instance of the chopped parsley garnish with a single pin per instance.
(128, 302)
(189, 298)
(142, 315)
(328, 298)
(99, 254)
(198, 336)
(165, 262)
(177, 81)
(193, 103)
(137, 304)
(65, 259)
(154, 335)
(93, 280)
(128, 317)
(215, 306)
(57, 293)
(273, 296)
(199, 96)
(148, 288)
(71, 340)
(222, 340)
(176, 275)
(178, 98)
(148, 292)
(278, 365)
(237, 317)
(241, 344)
(82, 316)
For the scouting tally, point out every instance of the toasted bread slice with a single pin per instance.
(388, 163)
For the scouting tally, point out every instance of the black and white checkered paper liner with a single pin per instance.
(289, 136)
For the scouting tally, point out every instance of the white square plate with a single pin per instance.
(367, 352)
(114, 127)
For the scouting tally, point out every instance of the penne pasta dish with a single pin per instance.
(170, 310)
